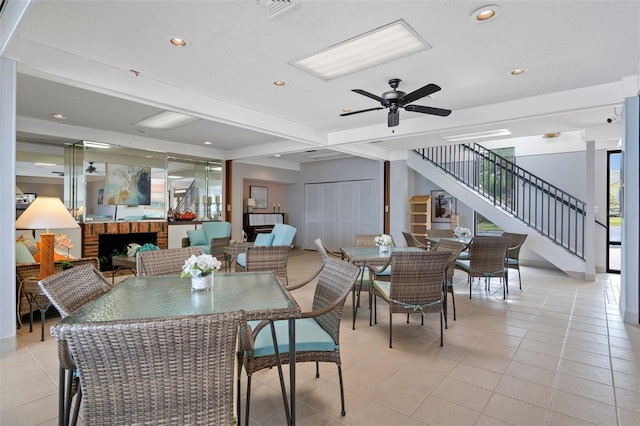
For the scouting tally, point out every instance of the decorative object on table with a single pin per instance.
(130, 185)
(46, 213)
(146, 247)
(444, 205)
(201, 269)
(383, 241)
(251, 203)
(462, 233)
(259, 193)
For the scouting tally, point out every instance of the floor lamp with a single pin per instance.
(46, 213)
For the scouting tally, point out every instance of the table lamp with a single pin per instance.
(251, 203)
(46, 213)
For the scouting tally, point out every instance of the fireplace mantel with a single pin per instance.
(92, 230)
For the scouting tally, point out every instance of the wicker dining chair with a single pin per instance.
(440, 233)
(164, 262)
(173, 370)
(412, 241)
(267, 258)
(415, 286)
(487, 259)
(513, 254)
(317, 331)
(68, 291)
(455, 248)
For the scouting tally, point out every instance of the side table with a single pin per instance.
(36, 296)
(122, 262)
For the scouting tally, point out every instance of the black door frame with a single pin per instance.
(608, 242)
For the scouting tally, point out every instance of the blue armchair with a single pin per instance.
(281, 235)
(212, 237)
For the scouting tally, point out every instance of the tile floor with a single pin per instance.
(555, 353)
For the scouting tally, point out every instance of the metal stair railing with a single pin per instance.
(188, 198)
(549, 210)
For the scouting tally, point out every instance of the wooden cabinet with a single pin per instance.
(420, 216)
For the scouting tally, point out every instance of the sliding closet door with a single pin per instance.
(336, 211)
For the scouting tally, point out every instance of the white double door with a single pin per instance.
(336, 211)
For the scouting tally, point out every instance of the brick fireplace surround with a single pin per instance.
(91, 232)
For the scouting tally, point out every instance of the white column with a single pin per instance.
(629, 277)
(8, 200)
(398, 200)
(590, 217)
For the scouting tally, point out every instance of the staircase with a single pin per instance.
(512, 198)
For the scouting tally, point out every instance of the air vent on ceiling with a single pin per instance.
(327, 156)
(277, 7)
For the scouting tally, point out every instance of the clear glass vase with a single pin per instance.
(202, 283)
(383, 249)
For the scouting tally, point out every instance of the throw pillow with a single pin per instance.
(23, 255)
(197, 237)
(263, 240)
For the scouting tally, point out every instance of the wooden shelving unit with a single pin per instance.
(420, 216)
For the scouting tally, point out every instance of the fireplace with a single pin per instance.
(116, 236)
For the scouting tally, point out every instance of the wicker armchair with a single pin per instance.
(317, 331)
(440, 233)
(412, 241)
(68, 291)
(267, 258)
(158, 371)
(217, 246)
(487, 259)
(415, 287)
(513, 254)
(164, 262)
(455, 248)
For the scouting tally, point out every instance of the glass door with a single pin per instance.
(614, 218)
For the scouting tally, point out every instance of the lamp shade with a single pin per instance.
(46, 213)
(251, 202)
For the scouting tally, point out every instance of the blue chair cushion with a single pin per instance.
(309, 337)
(241, 259)
(385, 273)
(216, 230)
(464, 264)
(23, 255)
(197, 237)
(464, 255)
(263, 240)
(511, 261)
(283, 234)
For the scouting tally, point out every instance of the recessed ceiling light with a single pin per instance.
(207, 142)
(518, 71)
(551, 135)
(44, 164)
(148, 156)
(174, 177)
(346, 109)
(277, 155)
(477, 135)
(99, 145)
(215, 168)
(485, 13)
(381, 45)
(279, 83)
(166, 120)
(179, 41)
(59, 116)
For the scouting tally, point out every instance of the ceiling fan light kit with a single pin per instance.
(395, 99)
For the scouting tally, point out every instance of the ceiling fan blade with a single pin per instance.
(368, 95)
(393, 119)
(420, 93)
(358, 112)
(428, 110)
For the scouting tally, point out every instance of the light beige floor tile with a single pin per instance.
(531, 373)
(587, 346)
(485, 420)
(586, 388)
(489, 362)
(628, 417)
(32, 412)
(628, 399)
(559, 419)
(477, 376)
(539, 360)
(515, 412)
(544, 337)
(461, 393)
(525, 391)
(626, 381)
(626, 354)
(589, 358)
(550, 349)
(368, 412)
(584, 408)
(625, 366)
(585, 371)
(437, 411)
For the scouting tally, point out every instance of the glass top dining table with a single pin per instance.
(363, 256)
(259, 294)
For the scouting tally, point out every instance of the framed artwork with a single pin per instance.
(127, 185)
(259, 193)
(442, 206)
(100, 196)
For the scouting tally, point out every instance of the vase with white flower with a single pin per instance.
(201, 269)
(384, 242)
(462, 234)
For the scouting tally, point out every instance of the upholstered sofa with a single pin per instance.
(211, 237)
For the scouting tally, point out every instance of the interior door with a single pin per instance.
(614, 218)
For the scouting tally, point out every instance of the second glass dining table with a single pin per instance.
(259, 294)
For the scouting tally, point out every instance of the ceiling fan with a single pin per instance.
(395, 99)
(92, 169)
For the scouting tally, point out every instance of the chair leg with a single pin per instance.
(390, 328)
(453, 302)
(76, 407)
(61, 396)
(68, 396)
(441, 330)
(470, 281)
(343, 412)
(248, 401)
(317, 369)
(519, 277)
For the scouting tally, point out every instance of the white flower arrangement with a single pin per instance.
(200, 266)
(462, 232)
(383, 240)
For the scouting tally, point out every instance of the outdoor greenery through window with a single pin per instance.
(496, 183)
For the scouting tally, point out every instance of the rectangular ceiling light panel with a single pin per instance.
(477, 135)
(376, 47)
(166, 120)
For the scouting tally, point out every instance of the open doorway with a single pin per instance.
(614, 219)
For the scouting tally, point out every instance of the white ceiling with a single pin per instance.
(75, 58)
